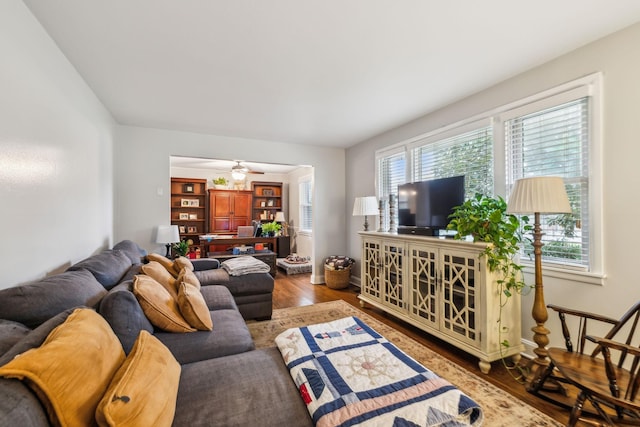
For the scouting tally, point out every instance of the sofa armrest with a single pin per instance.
(202, 264)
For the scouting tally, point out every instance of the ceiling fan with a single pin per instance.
(238, 171)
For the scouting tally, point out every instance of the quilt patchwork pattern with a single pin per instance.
(349, 375)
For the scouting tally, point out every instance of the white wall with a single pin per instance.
(617, 58)
(142, 183)
(55, 155)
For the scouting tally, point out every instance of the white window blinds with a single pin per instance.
(469, 154)
(391, 173)
(306, 204)
(555, 142)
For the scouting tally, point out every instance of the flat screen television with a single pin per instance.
(424, 207)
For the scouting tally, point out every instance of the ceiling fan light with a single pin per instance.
(237, 175)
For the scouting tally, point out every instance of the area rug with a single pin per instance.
(500, 408)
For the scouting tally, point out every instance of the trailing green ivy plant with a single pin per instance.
(486, 220)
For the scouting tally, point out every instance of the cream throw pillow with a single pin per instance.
(71, 370)
(158, 305)
(144, 390)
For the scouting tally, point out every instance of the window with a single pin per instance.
(555, 141)
(551, 133)
(306, 204)
(469, 154)
(391, 173)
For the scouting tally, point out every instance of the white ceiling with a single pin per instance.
(332, 72)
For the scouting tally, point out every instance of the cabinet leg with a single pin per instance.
(485, 366)
(363, 304)
(516, 359)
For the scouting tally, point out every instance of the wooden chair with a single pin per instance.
(604, 377)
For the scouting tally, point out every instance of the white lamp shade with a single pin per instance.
(279, 217)
(541, 194)
(168, 234)
(237, 175)
(365, 206)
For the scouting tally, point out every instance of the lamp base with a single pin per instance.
(168, 254)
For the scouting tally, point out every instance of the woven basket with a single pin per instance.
(337, 279)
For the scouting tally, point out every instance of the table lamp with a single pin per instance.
(539, 195)
(279, 218)
(167, 235)
(364, 206)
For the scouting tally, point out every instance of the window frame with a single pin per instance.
(589, 86)
(303, 181)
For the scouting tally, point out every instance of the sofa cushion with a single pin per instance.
(193, 307)
(248, 389)
(218, 297)
(157, 272)
(33, 303)
(108, 267)
(10, 333)
(131, 249)
(230, 335)
(144, 389)
(123, 312)
(159, 305)
(205, 264)
(71, 370)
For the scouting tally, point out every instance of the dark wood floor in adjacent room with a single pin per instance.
(296, 290)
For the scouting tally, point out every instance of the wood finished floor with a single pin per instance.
(296, 290)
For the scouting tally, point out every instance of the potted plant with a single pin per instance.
(270, 229)
(486, 220)
(182, 247)
(220, 183)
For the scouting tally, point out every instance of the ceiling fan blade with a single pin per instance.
(256, 172)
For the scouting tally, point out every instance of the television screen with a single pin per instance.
(428, 204)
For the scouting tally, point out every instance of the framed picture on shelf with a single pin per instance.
(182, 229)
(263, 204)
(183, 215)
(187, 188)
(270, 203)
(267, 191)
(190, 203)
(193, 216)
(192, 229)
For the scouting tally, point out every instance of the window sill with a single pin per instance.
(565, 273)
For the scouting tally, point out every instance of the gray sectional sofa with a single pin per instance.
(223, 380)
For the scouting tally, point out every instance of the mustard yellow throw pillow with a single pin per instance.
(187, 276)
(144, 390)
(158, 305)
(173, 267)
(71, 370)
(193, 307)
(160, 274)
(181, 263)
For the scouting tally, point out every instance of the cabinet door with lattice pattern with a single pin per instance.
(423, 280)
(370, 273)
(460, 283)
(392, 278)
